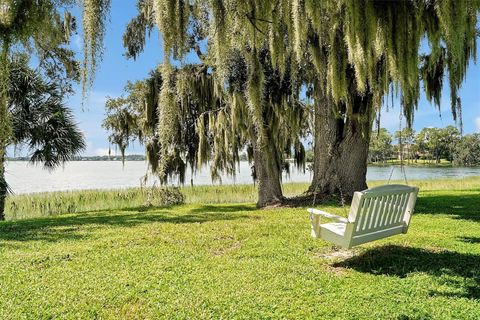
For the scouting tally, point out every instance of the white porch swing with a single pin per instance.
(375, 213)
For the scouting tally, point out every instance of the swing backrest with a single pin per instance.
(381, 212)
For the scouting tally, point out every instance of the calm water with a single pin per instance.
(26, 178)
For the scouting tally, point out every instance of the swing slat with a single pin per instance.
(375, 214)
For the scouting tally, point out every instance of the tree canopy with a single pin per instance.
(374, 46)
(42, 29)
(35, 115)
(467, 151)
(259, 55)
(41, 124)
(351, 54)
(380, 146)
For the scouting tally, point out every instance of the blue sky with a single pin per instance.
(115, 70)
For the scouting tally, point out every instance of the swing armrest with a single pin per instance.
(328, 215)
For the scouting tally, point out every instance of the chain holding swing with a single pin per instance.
(400, 151)
(342, 197)
(402, 167)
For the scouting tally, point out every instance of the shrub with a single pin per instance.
(164, 196)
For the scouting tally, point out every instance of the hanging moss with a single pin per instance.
(379, 40)
(94, 19)
(357, 52)
(172, 18)
(8, 11)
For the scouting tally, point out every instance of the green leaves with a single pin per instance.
(467, 151)
(259, 53)
(40, 120)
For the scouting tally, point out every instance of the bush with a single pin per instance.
(164, 196)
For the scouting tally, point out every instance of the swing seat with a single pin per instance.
(375, 213)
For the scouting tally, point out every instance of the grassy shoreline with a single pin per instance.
(66, 202)
(229, 260)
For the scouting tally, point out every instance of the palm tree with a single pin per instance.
(41, 123)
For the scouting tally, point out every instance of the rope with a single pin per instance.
(405, 175)
(314, 195)
(342, 197)
(391, 173)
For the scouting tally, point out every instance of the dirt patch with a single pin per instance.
(337, 255)
(226, 249)
(337, 271)
(331, 258)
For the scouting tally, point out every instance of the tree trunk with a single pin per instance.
(3, 185)
(268, 174)
(341, 149)
(5, 125)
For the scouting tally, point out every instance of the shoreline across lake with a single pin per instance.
(25, 178)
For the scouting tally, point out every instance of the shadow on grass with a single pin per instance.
(74, 227)
(223, 208)
(401, 261)
(465, 207)
(469, 240)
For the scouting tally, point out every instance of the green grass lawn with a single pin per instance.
(229, 260)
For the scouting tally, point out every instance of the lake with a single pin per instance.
(24, 177)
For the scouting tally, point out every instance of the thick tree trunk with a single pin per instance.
(267, 170)
(268, 174)
(3, 185)
(341, 150)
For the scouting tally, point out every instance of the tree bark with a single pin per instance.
(269, 184)
(3, 185)
(267, 173)
(5, 125)
(341, 148)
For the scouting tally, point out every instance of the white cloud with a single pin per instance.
(477, 124)
(104, 152)
(94, 149)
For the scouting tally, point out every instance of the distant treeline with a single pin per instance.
(431, 145)
(133, 157)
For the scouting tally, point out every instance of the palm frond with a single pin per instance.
(40, 119)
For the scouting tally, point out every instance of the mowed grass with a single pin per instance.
(230, 260)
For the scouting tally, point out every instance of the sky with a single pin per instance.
(115, 70)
